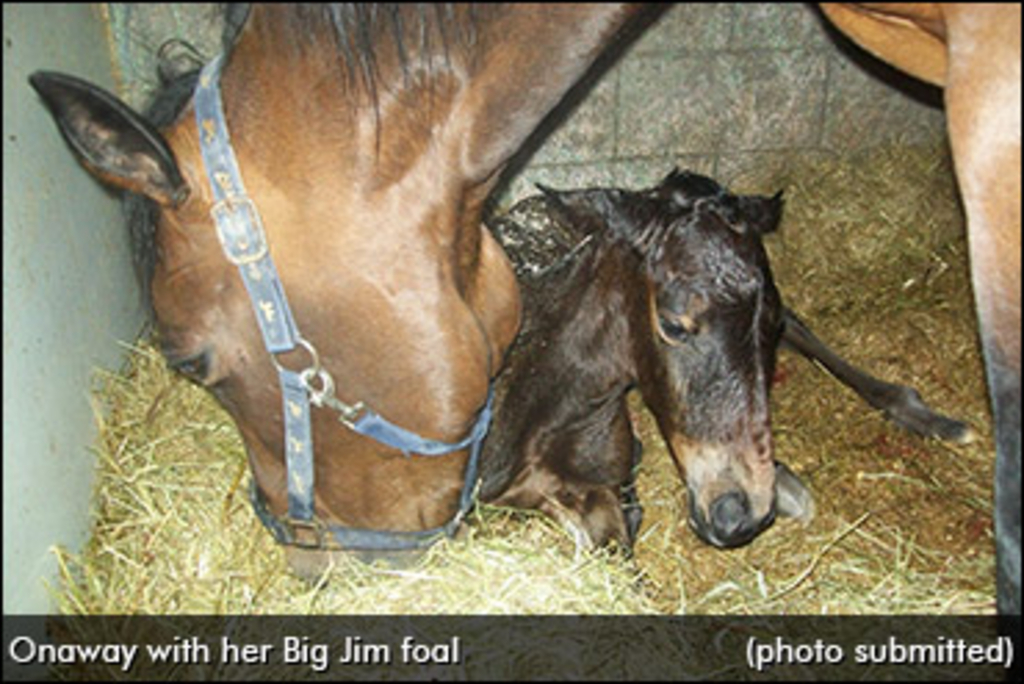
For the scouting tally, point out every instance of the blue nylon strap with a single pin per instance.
(298, 445)
(379, 428)
(241, 235)
(238, 222)
(354, 539)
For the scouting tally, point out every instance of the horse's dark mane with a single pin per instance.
(358, 31)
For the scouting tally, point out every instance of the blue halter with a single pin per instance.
(241, 235)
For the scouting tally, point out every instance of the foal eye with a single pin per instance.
(678, 330)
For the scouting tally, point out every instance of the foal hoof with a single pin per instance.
(907, 409)
(634, 515)
(792, 498)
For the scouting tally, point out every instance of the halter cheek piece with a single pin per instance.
(241, 235)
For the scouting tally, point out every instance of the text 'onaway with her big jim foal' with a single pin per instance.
(292, 650)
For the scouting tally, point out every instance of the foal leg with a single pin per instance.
(792, 498)
(592, 514)
(902, 405)
(583, 480)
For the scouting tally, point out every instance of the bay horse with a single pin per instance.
(669, 291)
(368, 138)
(972, 51)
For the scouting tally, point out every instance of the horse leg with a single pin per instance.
(584, 480)
(902, 405)
(1004, 388)
(592, 514)
(983, 112)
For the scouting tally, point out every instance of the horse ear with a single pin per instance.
(684, 188)
(761, 215)
(113, 142)
(673, 177)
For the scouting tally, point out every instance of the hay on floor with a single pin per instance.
(871, 253)
(174, 532)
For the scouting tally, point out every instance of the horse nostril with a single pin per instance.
(729, 514)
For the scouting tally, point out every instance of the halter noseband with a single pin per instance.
(242, 238)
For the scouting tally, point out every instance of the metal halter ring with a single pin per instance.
(318, 395)
(313, 369)
(319, 383)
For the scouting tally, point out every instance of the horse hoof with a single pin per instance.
(792, 498)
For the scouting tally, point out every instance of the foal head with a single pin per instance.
(705, 322)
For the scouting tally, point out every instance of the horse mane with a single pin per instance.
(360, 31)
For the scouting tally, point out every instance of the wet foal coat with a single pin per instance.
(625, 289)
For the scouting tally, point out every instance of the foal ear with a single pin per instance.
(761, 215)
(591, 210)
(114, 143)
(672, 178)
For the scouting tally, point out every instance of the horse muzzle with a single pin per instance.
(729, 522)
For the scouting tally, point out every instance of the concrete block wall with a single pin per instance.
(734, 91)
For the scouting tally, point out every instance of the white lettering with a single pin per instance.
(25, 650)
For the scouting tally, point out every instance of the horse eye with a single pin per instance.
(195, 367)
(678, 330)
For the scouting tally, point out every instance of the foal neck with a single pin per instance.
(571, 366)
(584, 315)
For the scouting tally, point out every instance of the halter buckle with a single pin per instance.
(307, 534)
(240, 230)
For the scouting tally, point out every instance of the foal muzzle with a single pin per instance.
(729, 522)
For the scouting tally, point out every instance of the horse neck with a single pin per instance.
(386, 142)
(604, 322)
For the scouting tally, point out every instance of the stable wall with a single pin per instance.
(69, 299)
